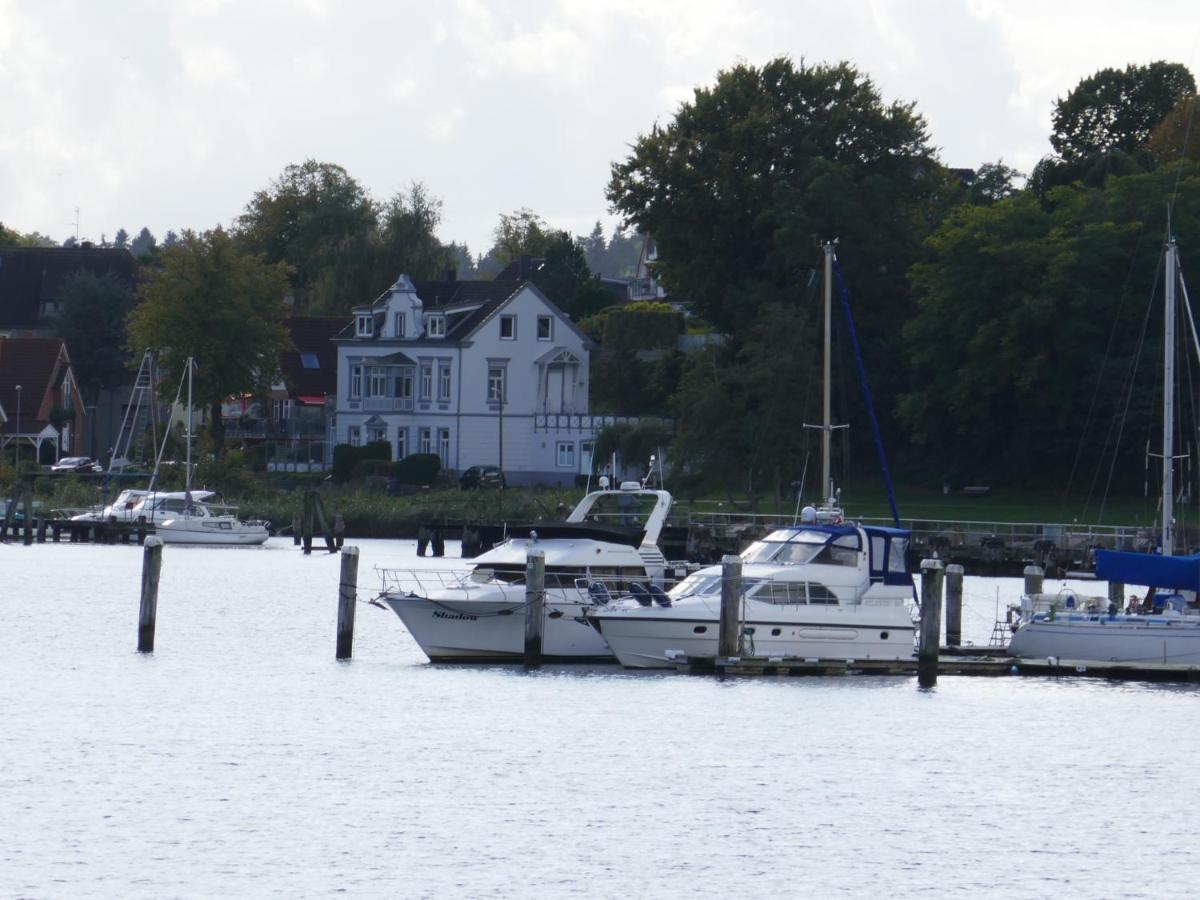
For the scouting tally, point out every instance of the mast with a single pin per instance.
(187, 485)
(827, 420)
(1168, 495)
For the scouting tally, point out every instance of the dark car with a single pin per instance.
(481, 477)
(77, 464)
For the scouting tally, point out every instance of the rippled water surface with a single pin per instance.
(241, 759)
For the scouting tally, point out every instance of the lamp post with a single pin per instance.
(18, 427)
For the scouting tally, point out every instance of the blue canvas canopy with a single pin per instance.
(1176, 572)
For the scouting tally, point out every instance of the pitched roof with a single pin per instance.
(30, 276)
(312, 335)
(31, 363)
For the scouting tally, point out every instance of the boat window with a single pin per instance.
(878, 552)
(897, 558)
(780, 592)
(508, 574)
(837, 554)
(818, 593)
(697, 584)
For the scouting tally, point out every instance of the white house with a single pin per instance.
(478, 372)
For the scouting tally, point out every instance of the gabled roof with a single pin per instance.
(312, 335)
(30, 276)
(33, 364)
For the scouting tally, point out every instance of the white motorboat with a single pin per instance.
(814, 591)
(478, 615)
(1165, 627)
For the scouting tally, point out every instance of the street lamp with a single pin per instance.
(18, 427)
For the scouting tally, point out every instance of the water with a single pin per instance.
(242, 759)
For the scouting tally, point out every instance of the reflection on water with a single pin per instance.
(241, 758)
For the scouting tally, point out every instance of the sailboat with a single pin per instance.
(822, 589)
(1165, 627)
(190, 518)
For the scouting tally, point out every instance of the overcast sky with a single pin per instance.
(172, 114)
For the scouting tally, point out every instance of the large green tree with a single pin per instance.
(91, 320)
(212, 300)
(752, 172)
(321, 222)
(408, 240)
(1117, 109)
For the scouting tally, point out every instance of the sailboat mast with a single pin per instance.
(827, 422)
(1168, 495)
(188, 480)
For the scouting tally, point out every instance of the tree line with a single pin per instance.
(996, 313)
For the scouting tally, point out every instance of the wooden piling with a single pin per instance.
(141, 529)
(729, 630)
(307, 525)
(339, 530)
(954, 598)
(535, 605)
(1116, 595)
(27, 509)
(1033, 579)
(296, 526)
(347, 602)
(932, 576)
(151, 568)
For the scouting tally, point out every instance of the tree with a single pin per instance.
(1117, 109)
(1173, 139)
(408, 241)
(121, 239)
(215, 302)
(1027, 320)
(91, 320)
(565, 279)
(10, 238)
(319, 221)
(992, 182)
(738, 189)
(143, 245)
(524, 233)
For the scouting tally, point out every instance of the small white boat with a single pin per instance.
(820, 592)
(478, 615)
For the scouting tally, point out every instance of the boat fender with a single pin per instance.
(639, 593)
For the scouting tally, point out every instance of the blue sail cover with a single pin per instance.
(1176, 572)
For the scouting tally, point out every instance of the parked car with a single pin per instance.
(77, 464)
(481, 477)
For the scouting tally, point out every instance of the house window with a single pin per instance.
(545, 328)
(399, 324)
(281, 410)
(508, 328)
(444, 447)
(495, 384)
(404, 384)
(376, 433)
(309, 361)
(365, 325)
(356, 381)
(444, 381)
(426, 381)
(354, 436)
(377, 385)
(426, 442)
(565, 458)
(401, 443)
(437, 326)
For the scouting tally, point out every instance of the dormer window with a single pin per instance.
(365, 325)
(399, 324)
(437, 326)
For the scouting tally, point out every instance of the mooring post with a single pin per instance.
(535, 605)
(932, 575)
(729, 631)
(1034, 575)
(296, 530)
(339, 530)
(27, 509)
(310, 503)
(347, 601)
(151, 567)
(141, 529)
(954, 597)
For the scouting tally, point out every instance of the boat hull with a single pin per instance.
(656, 641)
(198, 534)
(462, 629)
(1150, 639)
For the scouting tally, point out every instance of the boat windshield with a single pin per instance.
(698, 584)
(788, 547)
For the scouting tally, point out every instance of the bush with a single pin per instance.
(346, 457)
(417, 468)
